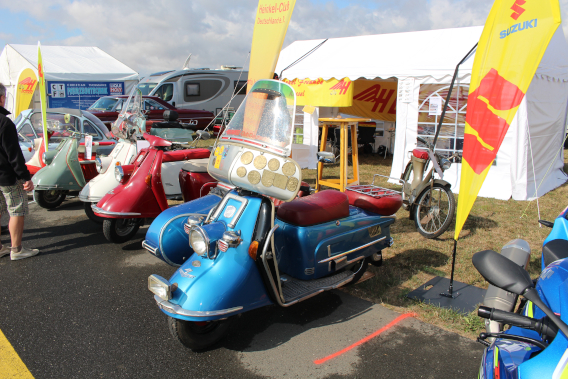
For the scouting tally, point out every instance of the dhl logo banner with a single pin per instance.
(270, 26)
(323, 93)
(27, 82)
(373, 99)
(511, 46)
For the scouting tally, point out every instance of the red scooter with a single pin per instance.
(147, 184)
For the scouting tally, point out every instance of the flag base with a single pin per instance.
(463, 299)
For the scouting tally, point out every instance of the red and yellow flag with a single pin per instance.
(27, 82)
(271, 24)
(43, 94)
(511, 46)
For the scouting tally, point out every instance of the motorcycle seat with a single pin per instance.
(321, 207)
(420, 153)
(183, 155)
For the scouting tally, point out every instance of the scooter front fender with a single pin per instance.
(57, 174)
(166, 237)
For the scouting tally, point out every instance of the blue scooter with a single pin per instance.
(245, 252)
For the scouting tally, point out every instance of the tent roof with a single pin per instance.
(430, 53)
(69, 62)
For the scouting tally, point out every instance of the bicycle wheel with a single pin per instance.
(434, 211)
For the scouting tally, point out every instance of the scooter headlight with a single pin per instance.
(445, 163)
(118, 173)
(160, 287)
(99, 165)
(198, 240)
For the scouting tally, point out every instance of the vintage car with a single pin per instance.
(29, 126)
(107, 109)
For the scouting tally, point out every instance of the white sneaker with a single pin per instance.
(5, 251)
(24, 253)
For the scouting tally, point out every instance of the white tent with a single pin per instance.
(418, 60)
(69, 65)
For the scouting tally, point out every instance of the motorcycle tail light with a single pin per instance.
(148, 180)
(253, 250)
(223, 246)
(30, 149)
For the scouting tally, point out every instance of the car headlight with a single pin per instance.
(160, 287)
(99, 165)
(118, 173)
(445, 164)
(43, 159)
(198, 240)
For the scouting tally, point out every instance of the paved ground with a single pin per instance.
(81, 309)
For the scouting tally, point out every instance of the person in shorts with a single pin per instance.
(15, 181)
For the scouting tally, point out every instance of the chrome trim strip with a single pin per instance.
(103, 212)
(149, 248)
(90, 199)
(351, 251)
(42, 187)
(177, 310)
(87, 162)
(224, 202)
(263, 256)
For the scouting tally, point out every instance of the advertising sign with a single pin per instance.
(322, 93)
(80, 95)
(27, 82)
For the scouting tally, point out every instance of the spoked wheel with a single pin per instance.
(119, 230)
(49, 199)
(359, 268)
(198, 335)
(434, 211)
(91, 214)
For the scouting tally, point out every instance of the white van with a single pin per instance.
(198, 88)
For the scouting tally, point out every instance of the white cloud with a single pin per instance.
(153, 35)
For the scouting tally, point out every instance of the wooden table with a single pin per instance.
(344, 124)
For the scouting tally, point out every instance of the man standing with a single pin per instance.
(15, 180)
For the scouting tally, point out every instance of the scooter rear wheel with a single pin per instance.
(120, 230)
(198, 335)
(49, 199)
(91, 215)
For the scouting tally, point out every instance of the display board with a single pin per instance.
(79, 94)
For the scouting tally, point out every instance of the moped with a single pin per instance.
(536, 344)
(130, 124)
(247, 254)
(147, 184)
(66, 169)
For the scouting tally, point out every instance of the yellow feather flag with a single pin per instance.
(511, 46)
(43, 94)
(271, 24)
(27, 82)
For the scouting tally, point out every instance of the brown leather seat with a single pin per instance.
(324, 206)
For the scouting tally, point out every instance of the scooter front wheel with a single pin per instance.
(91, 214)
(49, 199)
(434, 211)
(119, 230)
(198, 335)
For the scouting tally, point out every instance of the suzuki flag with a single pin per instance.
(511, 46)
(27, 82)
(271, 24)
(43, 94)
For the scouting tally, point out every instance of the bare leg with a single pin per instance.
(16, 230)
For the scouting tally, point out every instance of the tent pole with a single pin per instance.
(450, 94)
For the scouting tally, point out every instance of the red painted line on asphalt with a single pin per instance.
(369, 337)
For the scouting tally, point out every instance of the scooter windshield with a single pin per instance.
(131, 120)
(265, 119)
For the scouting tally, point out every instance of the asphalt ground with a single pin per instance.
(81, 309)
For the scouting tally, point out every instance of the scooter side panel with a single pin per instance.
(230, 280)
(166, 234)
(74, 165)
(57, 175)
(299, 249)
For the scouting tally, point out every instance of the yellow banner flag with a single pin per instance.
(375, 99)
(511, 46)
(323, 93)
(271, 24)
(27, 82)
(43, 94)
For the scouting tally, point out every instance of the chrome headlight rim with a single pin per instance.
(445, 163)
(199, 250)
(118, 173)
(99, 165)
(160, 287)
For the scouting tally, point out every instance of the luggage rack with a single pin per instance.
(374, 190)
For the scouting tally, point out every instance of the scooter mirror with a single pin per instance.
(502, 272)
(203, 135)
(326, 157)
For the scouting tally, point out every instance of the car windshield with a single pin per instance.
(61, 124)
(266, 116)
(146, 88)
(104, 104)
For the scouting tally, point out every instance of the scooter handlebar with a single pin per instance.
(543, 326)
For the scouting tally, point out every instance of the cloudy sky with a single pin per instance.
(154, 35)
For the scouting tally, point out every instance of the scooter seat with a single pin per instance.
(324, 206)
(182, 155)
(420, 153)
